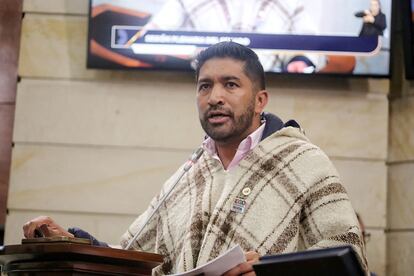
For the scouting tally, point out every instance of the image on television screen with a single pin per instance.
(290, 36)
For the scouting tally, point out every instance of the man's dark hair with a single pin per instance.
(228, 49)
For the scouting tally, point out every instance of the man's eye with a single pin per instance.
(203, 87)
(231, 85)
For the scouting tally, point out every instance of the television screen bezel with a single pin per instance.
(407, 32)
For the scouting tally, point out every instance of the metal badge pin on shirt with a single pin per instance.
(239, 205)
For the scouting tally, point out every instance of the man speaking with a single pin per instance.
(259, 182)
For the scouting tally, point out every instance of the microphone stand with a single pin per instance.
(193, 159)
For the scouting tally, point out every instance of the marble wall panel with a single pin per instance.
(56, 6)
(376, 251)
(400, 253)
(367, 189)
(353, 125)
(105, 227)
(402, 129)
(89, 179)
(351, 87)
(401, 194)
(108, 113)
(135, 113)
(52, 46)
(79, 179)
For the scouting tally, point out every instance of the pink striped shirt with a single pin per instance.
(245, 146)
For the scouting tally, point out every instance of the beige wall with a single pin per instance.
(400, 243)
(93, 146)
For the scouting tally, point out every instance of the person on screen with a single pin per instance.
(374, 21)
(260, 183)
(252, 16)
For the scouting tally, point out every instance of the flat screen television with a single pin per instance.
(407, 13)
(338, 261)
(290, 36)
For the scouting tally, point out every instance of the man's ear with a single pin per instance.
(261, 101)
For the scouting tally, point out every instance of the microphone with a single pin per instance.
(360, 14)
(191, 161)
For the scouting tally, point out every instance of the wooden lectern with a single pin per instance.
(67, 258)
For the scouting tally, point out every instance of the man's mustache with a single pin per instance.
(218, 111)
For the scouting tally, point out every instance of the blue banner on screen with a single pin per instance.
(315, 43)
(289, 36)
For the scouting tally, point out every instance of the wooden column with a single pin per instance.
(10, 24)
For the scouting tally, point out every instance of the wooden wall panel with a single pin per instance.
(10, 36)
(10, 24)
(6, 126)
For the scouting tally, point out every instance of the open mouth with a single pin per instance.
(218, 117)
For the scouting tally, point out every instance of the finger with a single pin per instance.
(56, 230)
(252, 262)
(53, 229)
(30, 229)
(30, 226)
(45, 230)
(240, 269)
(232, 272)
(26, 230)
(252, 256)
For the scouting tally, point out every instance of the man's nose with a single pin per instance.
(216, 95)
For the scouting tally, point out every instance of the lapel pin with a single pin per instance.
(246, 191)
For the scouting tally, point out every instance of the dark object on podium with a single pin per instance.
(73, 257)
(338, 261)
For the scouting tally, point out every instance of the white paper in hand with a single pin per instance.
(219, 265)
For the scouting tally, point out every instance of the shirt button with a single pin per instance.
(246, 191)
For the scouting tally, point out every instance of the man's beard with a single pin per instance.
(236, 130)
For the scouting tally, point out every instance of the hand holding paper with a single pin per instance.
(219, 265)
